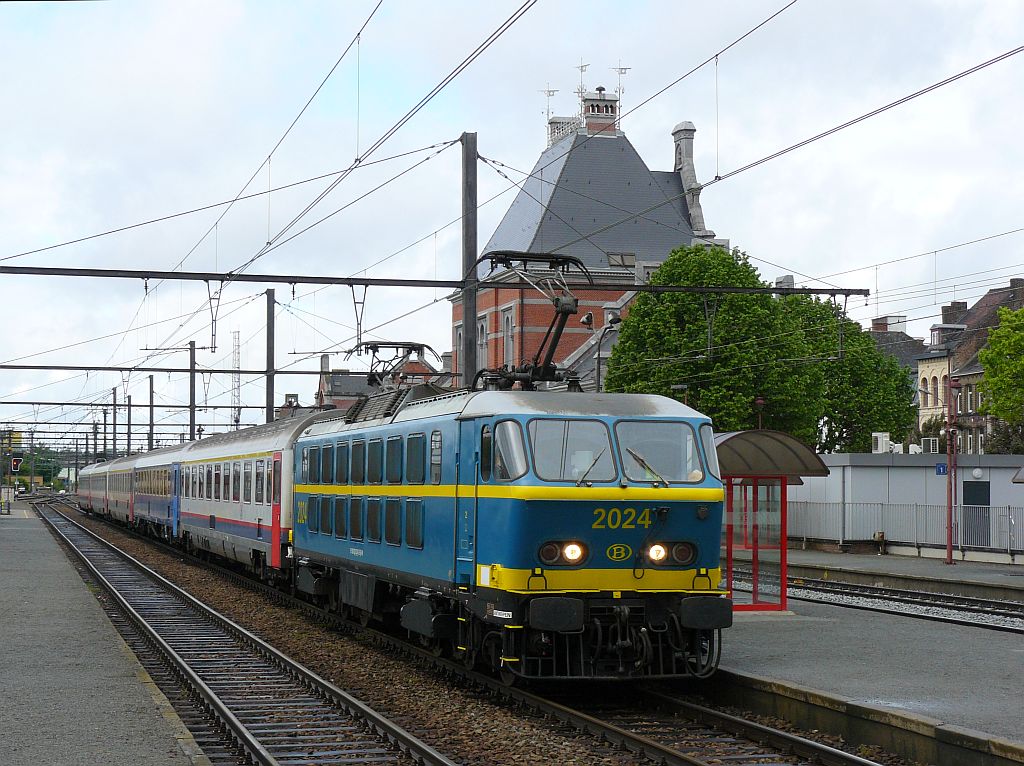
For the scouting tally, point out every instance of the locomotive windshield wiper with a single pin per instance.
(583, 478)
(644, 464)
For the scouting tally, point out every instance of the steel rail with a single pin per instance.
(407, 742)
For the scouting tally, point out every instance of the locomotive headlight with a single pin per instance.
(572, 552)
(657, 553)
(550, 553)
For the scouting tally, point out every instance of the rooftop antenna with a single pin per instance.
(620, 70)
(548, 93)
(583, 68)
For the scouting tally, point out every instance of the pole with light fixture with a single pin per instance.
(613, 320)
(953, 385)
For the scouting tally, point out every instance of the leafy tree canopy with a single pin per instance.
(1003, 362)
(730, 350)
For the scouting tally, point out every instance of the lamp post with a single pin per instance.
(952, 388)
(612, 321)
(759, 403)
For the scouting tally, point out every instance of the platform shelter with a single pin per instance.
(757, 468)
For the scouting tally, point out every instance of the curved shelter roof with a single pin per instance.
(766, 453)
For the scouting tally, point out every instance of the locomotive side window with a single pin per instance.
(659, 450)
(509, 451)
(415, 447)
(358, 462)
(571, 450)
(393, 521)
(340, 517)
(393, 455)
(342, 462)
(304, 469)
(414, 523)
(236, 482)
(707, 439)
(374, 461)
(435, 457)
(373, 519)
(327, 515)
(260, 476)
(314, 465)
(247, 482)
(486, 444)
(327, 464)
(313, 515)
(355, 518)
(216, 482)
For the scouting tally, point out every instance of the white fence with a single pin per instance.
(983, 527)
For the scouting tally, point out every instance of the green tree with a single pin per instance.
(1003, 362)
(1006, 439)
(729, 350)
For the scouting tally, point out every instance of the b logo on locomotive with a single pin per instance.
(619, 552)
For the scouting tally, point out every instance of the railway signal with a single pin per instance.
(16, 464)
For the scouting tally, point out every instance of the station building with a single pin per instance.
(590, 195)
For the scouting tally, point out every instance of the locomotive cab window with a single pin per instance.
(509, 451)
(707, 440)
(659, 451)
(571, 450)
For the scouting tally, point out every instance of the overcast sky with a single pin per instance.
(115, 113)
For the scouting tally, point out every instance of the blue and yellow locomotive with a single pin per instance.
(545, 535)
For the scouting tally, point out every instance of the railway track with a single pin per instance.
(274, 710)
(991, 614)
(650, 724)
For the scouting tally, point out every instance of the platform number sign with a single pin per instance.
(16, 464)
(941, 469)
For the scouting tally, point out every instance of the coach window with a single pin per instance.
(314, 465)
(185, 471)
(374, 460)
(486, 453)
(373, 519)
(341, 472)
(247, 482)
(414, 523)
(358, 462)
(304, 469)
(236, 481)
(415, 447)
(276, 483)
(313, 514)
(210, 482)
(509, 451)
(327, 464)
(394, 460)
(216, 482)
(327, 515)
(202, 482)
(435, 457)
(393, 521)
(355, 519)
(227, 482)
(340, 516)
(258, 499)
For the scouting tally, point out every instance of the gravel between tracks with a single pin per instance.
(459, 721)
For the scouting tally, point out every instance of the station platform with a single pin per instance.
(72, 690)
(965, 677)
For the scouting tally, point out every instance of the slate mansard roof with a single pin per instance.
(583, 184)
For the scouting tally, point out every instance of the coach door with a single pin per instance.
(175, 497)
(275, 512)
(466, 503)
(131, 496)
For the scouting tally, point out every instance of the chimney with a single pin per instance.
(953, 313)
(683, 134)
(786, 280)
(1016, 296)
(600, 112)
(890, 323)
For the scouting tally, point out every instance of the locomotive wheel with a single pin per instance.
(507, 677)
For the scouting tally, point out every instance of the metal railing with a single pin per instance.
(975, 527)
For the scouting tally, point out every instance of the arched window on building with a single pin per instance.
(507, 339)
(457, 353)
(924, 392)
(481, 341)
(936, 401)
